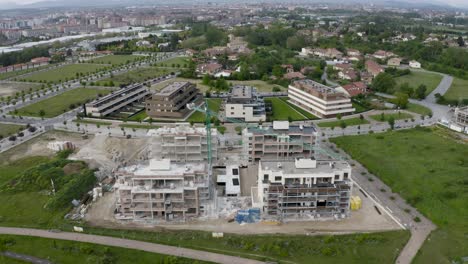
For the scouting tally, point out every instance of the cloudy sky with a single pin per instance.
(459, 3)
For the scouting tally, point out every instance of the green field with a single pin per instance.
(7, 75)
(429, 169)
(418, 109)
(9, 129)
(300, 110)
(282, 110)
(458, 90)
(140, 116)
(396, 116)
(355, 121)
(64, 251)
(416, 78)
(62, 103)
(92, 122)
(63, 73)
(115, 59)
(181, 61)
(198, 117)
(134, 76)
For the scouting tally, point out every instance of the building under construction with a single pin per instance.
(304, 189)
(279, 142)
(161, 191)
(183, 143)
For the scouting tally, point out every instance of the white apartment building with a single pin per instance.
(319, 99)
(244, 103)
(231, 181)
(304, 189)
(415, 64)
(161, 191)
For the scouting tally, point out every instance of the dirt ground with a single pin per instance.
(367, 219)
(10, 89)
(38, 146)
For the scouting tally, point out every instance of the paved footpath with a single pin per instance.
(131, 244)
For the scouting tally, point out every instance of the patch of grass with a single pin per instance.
(64, 251)
(17, 88)
(62, 103)
(429, 170)
(374, 248)
(139, 126)
(416, 78)
(198, 117)
(261, 86)
(115, 59)
(396, 116)
(7, 75)
(355, 121)
(140, 75)
(458, 90)
(140, 116)
(418, 109)
(282, 110)
(9, 129)
(300, 110)
(182, 61)
(63, 73)
(93, 122)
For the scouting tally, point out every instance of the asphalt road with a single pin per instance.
(131, 244)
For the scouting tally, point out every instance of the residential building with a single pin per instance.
(281, 141)
(294, 76)
(209, 68)
(183, 143)
(172, 100)
(231, 181)
(383, 55)
(161, 191)
(355, 88)
(244, 103)
(319, 99)
(460, 120)
(304, 189)
(395, 62)
(373, 68)
(415, 64)
(116, 101)
(348, 74)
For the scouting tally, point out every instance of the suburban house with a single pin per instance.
(394, 62)
(209, 68)
(383, 55)
(355, 88)
(415, 64)
(373, 68)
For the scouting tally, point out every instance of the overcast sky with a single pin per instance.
(460, 3)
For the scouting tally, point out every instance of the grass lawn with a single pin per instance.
(430, 170)
(396, 116)
(376, 248)
(92, 122)
(115, 59)
(415, 78)
(182, 61)
(139, 126)
(198, 117)
(9, 129)
(300, 110)
(61, 103)
(134, 76)
(198, 82)
(458, 90)
(140, 116)
(281, 110)
(349, 122)
(61, 74)
(64, 251)
(7, 75)
(418, 109)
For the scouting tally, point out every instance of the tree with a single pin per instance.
(391, 122)
(401, 100)
(460, 41)
(421, 91)
(343, 124)
(42, 113)
(384, 82)
(206, 79)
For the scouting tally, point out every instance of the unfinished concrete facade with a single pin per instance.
(279, 142)
(183, 143)
(304, 189)
(161, 191)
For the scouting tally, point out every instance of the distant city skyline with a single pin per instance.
(454, 3)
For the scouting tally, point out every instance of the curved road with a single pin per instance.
(131, 244)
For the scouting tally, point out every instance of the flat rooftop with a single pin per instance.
(171, 88)
(242, 92)
(289, 167)
(313, 85)
(174, 170)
